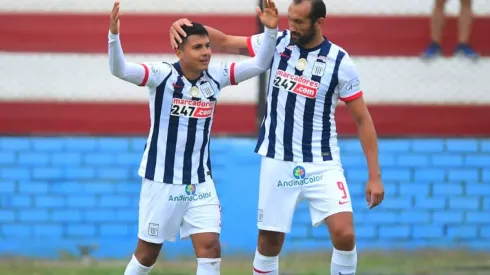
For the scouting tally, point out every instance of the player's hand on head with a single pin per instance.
(375, 192)
(115, 23)
(269, 16)
(176, 31)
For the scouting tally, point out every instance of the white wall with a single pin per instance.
(374, 7)
(87, 77)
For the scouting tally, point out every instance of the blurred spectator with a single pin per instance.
(464, 30)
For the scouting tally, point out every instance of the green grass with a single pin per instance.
(399, 263)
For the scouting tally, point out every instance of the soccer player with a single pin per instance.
(177, 190)
(298, 139)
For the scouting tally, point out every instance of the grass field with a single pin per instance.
(372, 263)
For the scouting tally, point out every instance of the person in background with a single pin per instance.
(464, 30)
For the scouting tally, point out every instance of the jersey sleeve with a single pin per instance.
(223, 73)
(349, 82)
(232, 73)
(146, 74)
(154, 73)
(254, 42)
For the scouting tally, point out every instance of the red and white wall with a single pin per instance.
(54, 76)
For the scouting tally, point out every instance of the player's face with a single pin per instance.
(300, 25)
(196, 52)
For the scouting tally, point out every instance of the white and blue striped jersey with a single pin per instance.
(181, 112)
(303, 91)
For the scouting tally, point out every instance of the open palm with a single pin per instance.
(269, 16)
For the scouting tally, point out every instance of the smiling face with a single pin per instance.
(195, 52)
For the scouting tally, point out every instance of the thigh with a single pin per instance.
(327, 196)
(203, 214)
(161, 209)
(279, 194)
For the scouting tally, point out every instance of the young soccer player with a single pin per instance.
(178, 192)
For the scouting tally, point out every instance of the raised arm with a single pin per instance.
(149, 74)
(230, 44)
(231, 73)
(261, 62)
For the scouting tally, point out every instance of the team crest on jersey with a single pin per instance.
(206, 89)
(318, 68)
(192, 108)
(296, 84)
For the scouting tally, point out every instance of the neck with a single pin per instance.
(317, 40)
(189, 73)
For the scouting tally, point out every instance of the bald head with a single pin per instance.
(318, 8)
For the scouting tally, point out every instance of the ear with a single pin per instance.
(179, 52)
(320, 22)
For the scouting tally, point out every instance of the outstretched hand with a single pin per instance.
(270, 15)
(115, 23)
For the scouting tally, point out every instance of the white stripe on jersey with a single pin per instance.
(177, 148)
(304, 88)
(181, 112)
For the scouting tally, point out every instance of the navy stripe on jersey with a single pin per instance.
(200, 170)
(215, 82)
(309, 110)
(283, 65)
(289, 117)
(284, 34)
(206, 137)
(189, 148)
(172, 134)
(326, 152)
(152, 151)
(262, 128)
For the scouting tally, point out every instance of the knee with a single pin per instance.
(270, 243)
(146, 257)
(343, 238)
(209, 249)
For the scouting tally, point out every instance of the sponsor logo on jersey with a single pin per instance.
(300, 178)
(192, 108)
(296, 84)
(353, 85)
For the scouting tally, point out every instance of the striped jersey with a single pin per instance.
(181, 114)
(304, 88)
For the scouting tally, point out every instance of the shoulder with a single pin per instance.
(219, 69)
(156, 68)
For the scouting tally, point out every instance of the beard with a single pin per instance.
(305, 38)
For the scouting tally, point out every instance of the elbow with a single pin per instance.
(265, 65)
(117, 72)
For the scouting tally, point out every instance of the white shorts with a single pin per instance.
(166, 208)
(284, 184)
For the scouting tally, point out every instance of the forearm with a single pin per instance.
(369, 142)
(227, 43)
(262, 61)
(130, 72)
